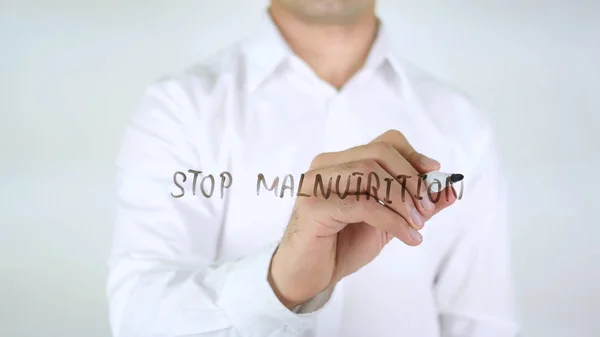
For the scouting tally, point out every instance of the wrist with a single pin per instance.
(291, 286)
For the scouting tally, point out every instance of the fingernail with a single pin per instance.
(426, 203)
(417, 218)
(426, 161)
(416, 236)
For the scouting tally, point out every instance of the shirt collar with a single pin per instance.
(266, 50)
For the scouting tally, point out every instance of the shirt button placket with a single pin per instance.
(337, 122)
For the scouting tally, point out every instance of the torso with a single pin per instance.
(279, 137)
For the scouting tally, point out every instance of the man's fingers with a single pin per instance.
(444, 198)
(379, 148)
(363, 179)
(419, 161)
(397, 168)
(350, 210)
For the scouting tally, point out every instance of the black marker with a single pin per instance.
(437, 181)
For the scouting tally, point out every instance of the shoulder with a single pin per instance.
(190, 110)
(199, 87)
(199, 98)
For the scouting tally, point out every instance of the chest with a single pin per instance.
(279, 137)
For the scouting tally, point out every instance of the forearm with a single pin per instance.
(152, 298)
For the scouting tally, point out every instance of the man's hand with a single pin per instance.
(327, 239)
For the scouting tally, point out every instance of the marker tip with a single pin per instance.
(456, 177)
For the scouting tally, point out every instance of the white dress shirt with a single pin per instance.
(197, 266)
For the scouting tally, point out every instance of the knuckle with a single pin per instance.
(368, 165)
(306, 202)
(347, 166)
(407, 205)
(343, 169)
(402, 202)
(319, 160)
(346, 205)
(381, 149)
(368, 206)
(394, 133)
(398, 137)
(311, 203)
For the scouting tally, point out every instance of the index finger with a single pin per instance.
(419, 161)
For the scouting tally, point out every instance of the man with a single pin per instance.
(315, 91)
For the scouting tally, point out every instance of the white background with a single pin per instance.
(71, 72)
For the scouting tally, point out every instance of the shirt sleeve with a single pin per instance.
(474, 285)
(163, 277)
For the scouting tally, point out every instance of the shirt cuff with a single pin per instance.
(315, 304)
(248, 298)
